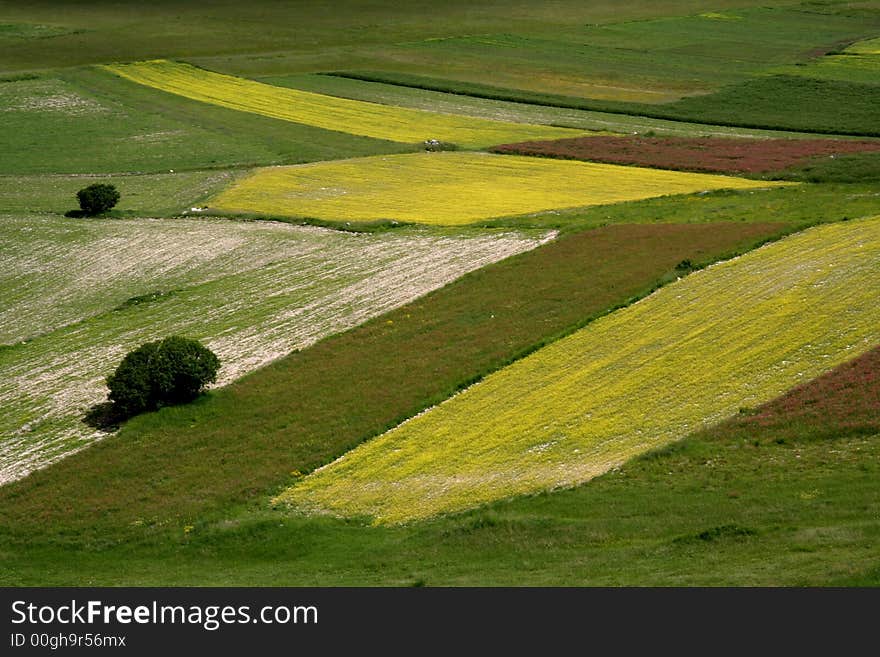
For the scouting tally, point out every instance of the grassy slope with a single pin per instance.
(864, 167)
(789, 102)
(136, 129)
(848, 67)
(515, 543)
(629, 61)
(234, 446)
(781, 495)
(860, 62)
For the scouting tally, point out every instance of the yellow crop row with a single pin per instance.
(867, 47)
(733, 335)
(340, 114)
(453, 187)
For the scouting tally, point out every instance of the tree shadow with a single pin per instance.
(104, 416)
(82, 214)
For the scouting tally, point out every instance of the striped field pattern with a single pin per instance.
(453, 188)
(76, 296)
(734, 335)
(353, 116)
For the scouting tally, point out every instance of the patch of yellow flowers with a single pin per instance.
(867, 47)
(450, 188)
(329, 112)
(734, 335)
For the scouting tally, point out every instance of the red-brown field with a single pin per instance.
(719, 155)
(846, 399)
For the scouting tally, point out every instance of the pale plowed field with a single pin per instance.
(251, 291)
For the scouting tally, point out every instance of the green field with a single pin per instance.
(157, 194)
(858, 168)
(269, 35)
(454, 188)
(103, 124)
(773, 102)
(653, 61)
(800, 205)
(278, 204)
(792, 103)
(487, 108)
(858, 63)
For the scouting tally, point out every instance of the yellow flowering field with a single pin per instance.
(451, 188)
(733, 335)
(341, 114)
(867, 47)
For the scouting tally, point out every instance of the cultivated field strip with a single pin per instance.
(453, 188)
(734, 335)
(329, 112)
(264, 300)
(728, 156)
(516, 112)
(58, 272)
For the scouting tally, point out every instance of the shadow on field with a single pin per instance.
(104, 416)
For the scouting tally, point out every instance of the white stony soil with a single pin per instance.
(252, 291)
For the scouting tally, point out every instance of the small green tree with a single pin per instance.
(97, 198)
(166, 372)
(131, 390)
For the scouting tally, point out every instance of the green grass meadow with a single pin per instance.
(152, 194)
(653, 61)
(103, 124)
(801, 205)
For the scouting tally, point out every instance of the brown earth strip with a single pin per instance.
(716, 155)
(843, 401)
